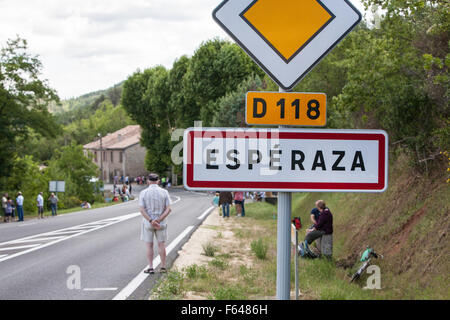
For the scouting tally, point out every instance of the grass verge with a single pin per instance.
(408, 224)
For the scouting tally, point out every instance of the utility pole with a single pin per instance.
(101, 157)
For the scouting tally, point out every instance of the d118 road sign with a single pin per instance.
(285, 160)
(286, 108)
(287, 38)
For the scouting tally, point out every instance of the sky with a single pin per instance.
(90, 45)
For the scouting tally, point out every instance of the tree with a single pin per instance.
(231, 107)
(146, 104)
(394, 76)
(70, 164)
(216, 68)
(179, 102)
(23, 101)
(26, 177)
(114, 94)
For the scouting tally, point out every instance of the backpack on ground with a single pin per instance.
(305, 252)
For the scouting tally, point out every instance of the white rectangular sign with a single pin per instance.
(287, 160)
(57, 186)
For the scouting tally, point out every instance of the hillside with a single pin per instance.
(81, 107)
(408, 224)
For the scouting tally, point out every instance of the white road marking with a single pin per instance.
(204, 214)
(173, 202)
(137, 281)
(82, 230)
(64, 232)
(3, 255)
(20, 247)
(37, 239)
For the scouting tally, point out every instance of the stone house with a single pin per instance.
(121, 153)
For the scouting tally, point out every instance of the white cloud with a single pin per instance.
(92, 44)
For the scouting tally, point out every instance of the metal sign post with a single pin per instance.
(296, 266)
(284, 246)
(286, 39)
(284, 242)
(294, 239)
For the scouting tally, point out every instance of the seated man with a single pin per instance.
(324, 225)
(86, 205)
(315, 213)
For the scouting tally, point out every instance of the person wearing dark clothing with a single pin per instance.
(323, 226)
(225, 200)
(315, 213)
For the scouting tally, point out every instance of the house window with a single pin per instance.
(112, 156)
(104, 156)
(120, 156)
(95, 156)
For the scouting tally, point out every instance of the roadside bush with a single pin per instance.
(209, 249)
(259, 248)
(69, 202)
(219, 263)
(194, 271)
(228, 293)
(169, 287)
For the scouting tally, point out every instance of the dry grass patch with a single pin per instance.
(233, 271)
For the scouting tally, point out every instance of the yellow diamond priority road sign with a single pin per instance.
(287, 38)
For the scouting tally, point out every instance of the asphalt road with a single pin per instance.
(92, 254)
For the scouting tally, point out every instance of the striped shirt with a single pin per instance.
(154, 200)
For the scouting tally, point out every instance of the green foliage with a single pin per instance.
(228, 292)
(194, 271)
(72, 165)
(27, 178)
(104, 120)
(209, 249)
(161, 100)
(83, 107)
(397, 76)
(231, 107)
(262, 211)
(219, 263)
(68, 164)
(144, 97)
(186, 114)
(215, 69)
(170, 287)
(259, 248)
(23, 101)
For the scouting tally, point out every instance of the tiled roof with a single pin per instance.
(121, 139)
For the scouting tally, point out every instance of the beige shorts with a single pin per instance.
(148, 233)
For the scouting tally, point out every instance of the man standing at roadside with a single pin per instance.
(40, 205)
(19, 203)
(154, 205)
(4, 201)
(225, 200)
(53, 204)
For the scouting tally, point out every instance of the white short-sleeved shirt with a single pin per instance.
(19, 200)
(155, 200)
(40, 201)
